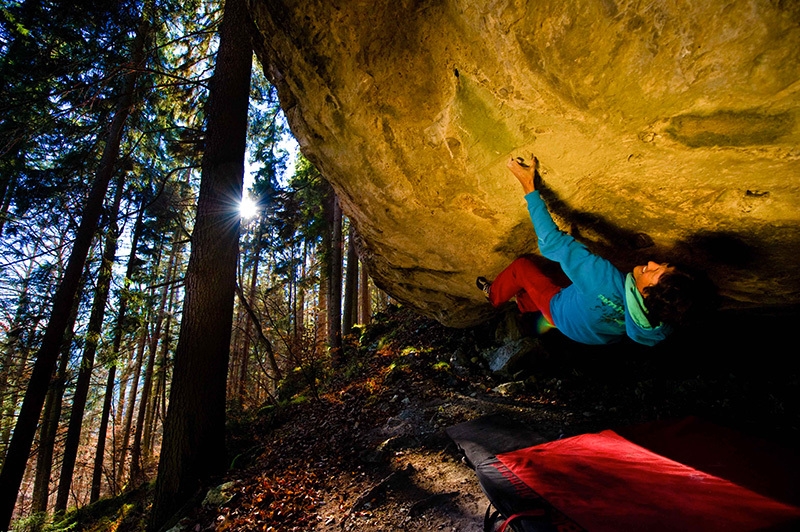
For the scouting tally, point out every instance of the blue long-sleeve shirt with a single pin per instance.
(594, 309)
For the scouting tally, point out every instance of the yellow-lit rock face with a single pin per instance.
(665, 129)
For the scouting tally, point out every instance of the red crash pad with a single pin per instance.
(604, 482)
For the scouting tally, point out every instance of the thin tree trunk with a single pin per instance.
(94, 330)
(335, 283)
(147, 385)
(264, 340)
(117, 422)
(251, 292)
(294, 281)
(235, 367)
(365, 297)
(350, 311)
(161, 377)
(322, 312)
(118, 331)
(194, 431)
(120, 413)
(47, 438)
(21, 442)
(131, 402)
(300, 310)
(50, 420)
(136, 472)
(97, 469)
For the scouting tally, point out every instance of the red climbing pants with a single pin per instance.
(524, 280)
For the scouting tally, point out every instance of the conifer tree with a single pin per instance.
(90, 349)
(350, 306)
(115, 351)
(334, 217)
(194, 430)
(22, 439)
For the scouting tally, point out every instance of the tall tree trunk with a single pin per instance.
(320, 334)
(335, 282)
(47, 436)
(365, 305)
(99, 455)
(248, 327)
(94, 329)
(52, 417)
(193, 447)
(112, 367)
(234, 368)
(131, 402)
(294, 281)
(153, 416)
(300, 297)
(147, 385)
(350, 311)
(25, 430)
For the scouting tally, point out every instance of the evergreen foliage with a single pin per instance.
(62, 70)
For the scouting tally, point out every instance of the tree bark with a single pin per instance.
(365, 305)
(147, 385)
(241, 388)
(321, 326)
(94, 330)
(300, 299)
(25, 429)
(193, 447)
(350, 311)
(152, 414)
(131, 405)
(47, 438)
(335, 282)
(117, 341)
(50, 421)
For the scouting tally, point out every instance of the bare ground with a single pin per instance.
(371, 453)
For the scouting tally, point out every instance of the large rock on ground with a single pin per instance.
(664, 129)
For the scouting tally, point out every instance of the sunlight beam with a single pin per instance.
(248, 208)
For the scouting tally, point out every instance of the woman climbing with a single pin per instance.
(601, 305)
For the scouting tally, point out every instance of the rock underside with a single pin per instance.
(665, 130)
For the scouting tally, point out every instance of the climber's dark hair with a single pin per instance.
(681, 297)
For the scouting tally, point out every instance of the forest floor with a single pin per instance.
(370, 452)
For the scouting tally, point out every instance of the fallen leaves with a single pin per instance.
(289, 499)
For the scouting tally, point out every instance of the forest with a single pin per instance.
(139, 299)
(184, 309)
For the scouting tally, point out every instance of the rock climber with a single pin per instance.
(601, 305)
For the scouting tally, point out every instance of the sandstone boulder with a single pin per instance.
(664, 129)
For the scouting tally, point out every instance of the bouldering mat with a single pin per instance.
(687, 475)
